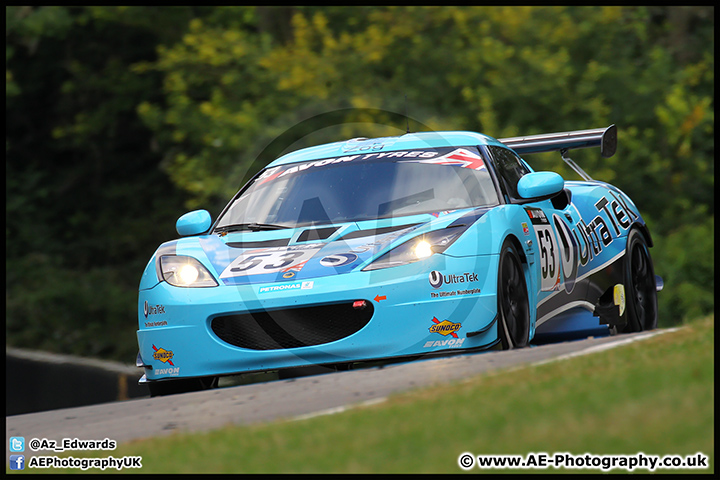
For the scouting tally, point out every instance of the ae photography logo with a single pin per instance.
(587, 461)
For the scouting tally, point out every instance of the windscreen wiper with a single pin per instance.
(255, 227)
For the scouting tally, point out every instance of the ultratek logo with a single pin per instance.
(437, 279)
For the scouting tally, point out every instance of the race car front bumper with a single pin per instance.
(359, 316)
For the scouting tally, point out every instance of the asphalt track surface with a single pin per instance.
(293, 399)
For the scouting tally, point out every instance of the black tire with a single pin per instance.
(172, 387)
(513, 324)
(640, 287)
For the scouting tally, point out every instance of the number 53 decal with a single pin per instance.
(549, 257)
(270, 260)
(558, 251)
(547, 244)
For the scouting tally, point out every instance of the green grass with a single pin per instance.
(654, 396)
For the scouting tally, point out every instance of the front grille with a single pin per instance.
(292, 328)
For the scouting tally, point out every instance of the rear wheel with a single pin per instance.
(640, 286)
(512, 295)
(171, 387)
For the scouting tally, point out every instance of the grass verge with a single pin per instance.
(654, 396)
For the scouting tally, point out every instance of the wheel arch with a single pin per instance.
(512, 247)
(530, 281)
(518, 246)
(645, 231)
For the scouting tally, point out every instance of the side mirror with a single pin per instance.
(540, 184)
(193, 223)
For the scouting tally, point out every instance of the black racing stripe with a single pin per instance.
(589, 289)
(281, 242)
(469, 218)
(375, 231)
(316, 234)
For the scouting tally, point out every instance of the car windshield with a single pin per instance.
(362, 187)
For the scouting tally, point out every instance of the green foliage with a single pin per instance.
(686, 258)
(80, 179)
(86, 312)
(214, 92)
(500, 70)
(121, 117)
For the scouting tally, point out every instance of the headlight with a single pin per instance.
(418, 248)
(184, 271)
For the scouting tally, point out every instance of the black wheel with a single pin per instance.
(640, 288)
(513, 309)
(171, 387)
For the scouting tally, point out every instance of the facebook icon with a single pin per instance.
(17, 462)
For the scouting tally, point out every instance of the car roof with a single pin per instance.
(407, 141)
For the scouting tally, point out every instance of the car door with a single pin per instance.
(551, 221)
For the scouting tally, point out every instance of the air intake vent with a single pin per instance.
(281, 242)
(292, 328)
(375, 231)
(316, 234)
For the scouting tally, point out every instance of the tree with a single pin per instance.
(81, 175)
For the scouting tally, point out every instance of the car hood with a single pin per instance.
(243, 258)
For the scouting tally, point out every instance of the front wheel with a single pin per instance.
(512, 296)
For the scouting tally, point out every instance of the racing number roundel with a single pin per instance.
(270, 260)
(550, 275)
(558, 249)
(568, 252)
(549, 257)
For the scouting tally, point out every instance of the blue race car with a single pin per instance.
(394, 248)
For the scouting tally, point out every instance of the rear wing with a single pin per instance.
(605, 138)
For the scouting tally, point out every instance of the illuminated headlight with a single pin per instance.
(423, 249)
(183, 271)
(418, 248)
